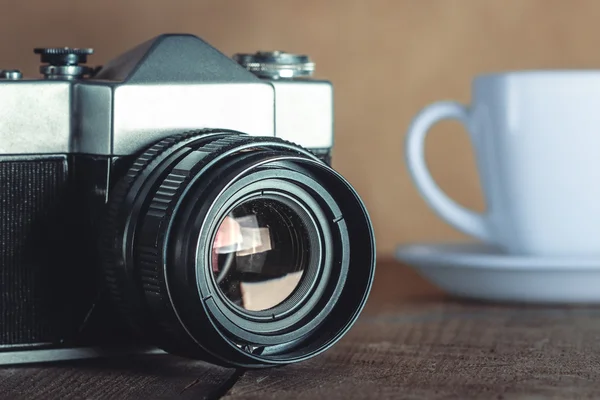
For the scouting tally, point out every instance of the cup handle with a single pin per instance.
(456, 215)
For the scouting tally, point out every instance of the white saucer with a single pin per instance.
(480, 271)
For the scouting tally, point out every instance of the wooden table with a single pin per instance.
(411, 342)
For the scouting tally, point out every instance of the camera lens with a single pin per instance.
(239, 250)
(259, 254)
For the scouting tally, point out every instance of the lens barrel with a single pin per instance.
(204, 219)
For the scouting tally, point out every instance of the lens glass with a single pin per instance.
(260, 253)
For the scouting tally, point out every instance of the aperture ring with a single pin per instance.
(111, 237)
(151, 235)
(112, 243)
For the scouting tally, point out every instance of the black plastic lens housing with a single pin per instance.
(164, 215)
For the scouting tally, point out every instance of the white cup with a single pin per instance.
(536, 136)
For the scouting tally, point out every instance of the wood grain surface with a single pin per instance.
(411, 342)
(147, 377)
(418, 347)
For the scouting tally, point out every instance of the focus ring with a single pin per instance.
(151, 242)
(111, 244)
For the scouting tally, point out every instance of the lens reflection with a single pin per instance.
(259, 254)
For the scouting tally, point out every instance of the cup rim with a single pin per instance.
(528, 73)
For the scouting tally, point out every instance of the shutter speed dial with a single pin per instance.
(64, 62)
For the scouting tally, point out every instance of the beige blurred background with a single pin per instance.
(387, 59)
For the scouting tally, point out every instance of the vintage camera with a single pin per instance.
(175, 199)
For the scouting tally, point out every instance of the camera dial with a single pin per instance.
(64, 62)
(276, 64)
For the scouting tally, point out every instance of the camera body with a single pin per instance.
(67, 138)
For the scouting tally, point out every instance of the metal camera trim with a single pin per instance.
(144, 95)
